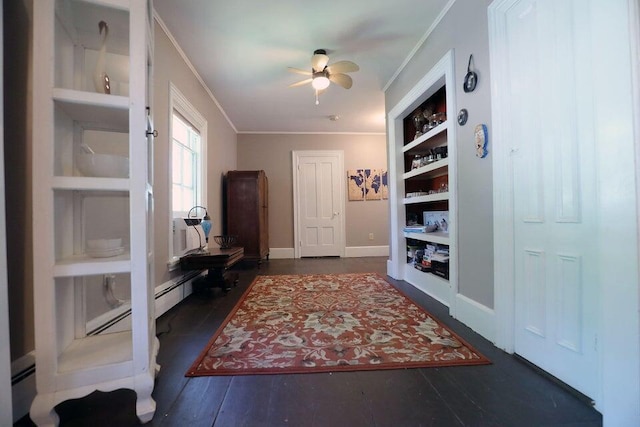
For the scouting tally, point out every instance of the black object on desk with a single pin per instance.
(218, 262)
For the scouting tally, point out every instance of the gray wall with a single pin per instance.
(464, 29)
(272, 153)
(221, 144)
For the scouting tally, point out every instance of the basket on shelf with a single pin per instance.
(225, 242)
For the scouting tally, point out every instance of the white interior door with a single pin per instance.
(550, 131)
(319, 203)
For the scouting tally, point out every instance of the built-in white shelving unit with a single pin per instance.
(426, 187)
(72, 204)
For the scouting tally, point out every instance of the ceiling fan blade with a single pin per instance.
(299, 71)
(343, 67)
(300, 83)
(319, 61)
(342, 80)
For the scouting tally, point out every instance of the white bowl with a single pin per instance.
(103, 244)
(103, 165)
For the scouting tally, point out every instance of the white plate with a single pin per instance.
(105, 253)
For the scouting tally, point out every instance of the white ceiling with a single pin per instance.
(242, 49)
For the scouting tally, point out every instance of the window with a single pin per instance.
(188, 175)
(186, 166)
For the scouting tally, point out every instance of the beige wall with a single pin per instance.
(464, 29)
(272, 153)
(221, 143)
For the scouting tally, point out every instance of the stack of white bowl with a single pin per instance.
(104, 248)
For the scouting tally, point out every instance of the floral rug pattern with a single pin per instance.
(324, 323)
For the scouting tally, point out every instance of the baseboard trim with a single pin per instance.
(23, 384)
(349, 252)
(478, 317)
(365, 251)
(23, 379)
(281, 253)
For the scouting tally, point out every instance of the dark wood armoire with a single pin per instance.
(247, 212)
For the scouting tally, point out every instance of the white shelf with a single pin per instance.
(84, 265)
(418, 141)
(431, 170)
(90, 183)
(92, 107)
(117, 4)
(438, 197)
(435, 237)
(96, 351)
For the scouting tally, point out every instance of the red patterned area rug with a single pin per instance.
(328, 323)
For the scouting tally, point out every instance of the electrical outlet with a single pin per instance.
(370, 236)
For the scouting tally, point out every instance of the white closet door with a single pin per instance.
(548, 96)
(565, 193)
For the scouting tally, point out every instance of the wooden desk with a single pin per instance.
(218, 262)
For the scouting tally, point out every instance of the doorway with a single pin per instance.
(318, 203)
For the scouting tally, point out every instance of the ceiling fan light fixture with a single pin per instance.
(320, 81)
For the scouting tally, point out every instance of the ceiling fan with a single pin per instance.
(322, 74)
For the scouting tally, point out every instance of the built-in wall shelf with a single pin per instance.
(422, 177)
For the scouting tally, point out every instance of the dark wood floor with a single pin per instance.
(506, 393)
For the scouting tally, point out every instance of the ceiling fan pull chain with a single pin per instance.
(317, 101)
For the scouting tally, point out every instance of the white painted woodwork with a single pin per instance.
(565, 234)
(319, 203)
(70, 208)
(6, 406)
(445, 291)
(554, 191)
